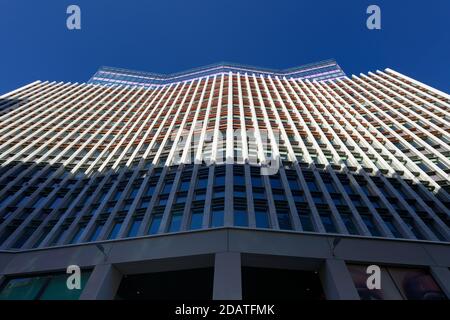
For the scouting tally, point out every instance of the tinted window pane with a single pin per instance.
(77, 236)
(154, 226)
(239, 180)
(202, 183)
(217, 218)
(261, 219)
(240, 218)
(275, 183)
(370, 225)
(305, 220)
(135, 227)
(257, 182)
(284, 220)
(57, 288)
(416, 284)
(97, 231)
(327, 223)
(184, 186)
(220, 181)
(196, 220)
(115, 230)
(22, 288)
(348, 221)
(175, 222)
(312, 186)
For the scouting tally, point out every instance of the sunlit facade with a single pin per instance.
(305, 152)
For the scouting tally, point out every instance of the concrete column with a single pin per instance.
(227, 276)
(337, 282)
(442, 276)
(229, 208)
(102, 284)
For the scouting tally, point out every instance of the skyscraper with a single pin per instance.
(221, 177)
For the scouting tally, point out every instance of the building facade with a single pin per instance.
(228, 174)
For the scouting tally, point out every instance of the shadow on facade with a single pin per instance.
(10, 104)
(30, 219)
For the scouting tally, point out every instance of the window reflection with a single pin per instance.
(397, 284)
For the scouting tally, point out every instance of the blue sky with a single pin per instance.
(174, 35)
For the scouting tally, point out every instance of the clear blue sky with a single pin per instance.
(173, 35)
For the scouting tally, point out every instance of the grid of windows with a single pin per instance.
(366, 156)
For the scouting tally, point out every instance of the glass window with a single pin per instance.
(305, 220)
(337, 200)
(240, 193)
(202, 183)
(409, 222)
(275, 183)
(97, 231)
(78, 234)
(144, 203)
(259, 194)
(330, 186)
(39, 201)
(196, 219)
(240, 218)
(135, 227)
(181, 198)
(154, 225)
(184, 186)
(127, 206)
(365, 189)
(294, 185)
(298, 197)
(256, 181)
(175, 221)
(277, 195)
(388, 290)
(219, 181)
(217, 218)
(56, 202)
(348, 221)
(318, 199)
(167, 187)
(262, 220)
(133, 193)
(24, 237)
(117, 195)
(328, 223)
(390, 223)
(312, 186)
(219, 193)
(150, 191)
(22, 288)
(348, 188)
(239, 180)
(284, 221)
(56, 288)
(45, 287)
(370, 225)
(61, 233)
(115, 230)
(200, 195)
(375, 203)
(102, 196)
(416, 284)
(357, 202)
(162, 200)
(22, 201)
(397, 284)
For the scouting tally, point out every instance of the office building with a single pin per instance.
(210, 182)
